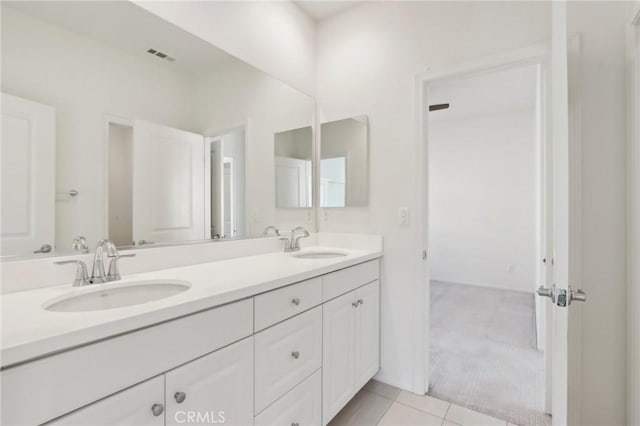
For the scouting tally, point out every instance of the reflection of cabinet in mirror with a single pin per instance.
(293, 151)
(344, 163)
(28, 175)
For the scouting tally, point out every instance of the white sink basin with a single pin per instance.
(110, 296)
(319, 254)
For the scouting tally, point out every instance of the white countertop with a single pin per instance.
(29, 331)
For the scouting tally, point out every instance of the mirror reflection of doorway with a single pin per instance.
(227, 177)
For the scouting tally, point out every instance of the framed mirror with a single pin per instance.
(293, 150)
(344, 163)
(145, 134)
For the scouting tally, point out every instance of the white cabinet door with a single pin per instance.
(367, 334)
(168, 184)
(338, 375)
(216, 388)
(28, 175)
(140, 405)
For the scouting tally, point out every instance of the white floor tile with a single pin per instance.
(425, 403)
(465, 417)
(382, 389)
(403, 415)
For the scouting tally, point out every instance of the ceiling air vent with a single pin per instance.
(160, 55)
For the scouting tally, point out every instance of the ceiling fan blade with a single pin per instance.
(438, 107)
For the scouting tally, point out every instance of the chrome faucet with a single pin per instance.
(293, 242)
(270, 229)
(98, 276)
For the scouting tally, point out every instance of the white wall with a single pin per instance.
(274, 36)
(368, 57)
(482, 217)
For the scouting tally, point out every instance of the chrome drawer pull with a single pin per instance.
(295, 354)
(295, 301)
(157, 409)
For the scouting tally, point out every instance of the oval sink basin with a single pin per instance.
(129, 294)
(319, 254)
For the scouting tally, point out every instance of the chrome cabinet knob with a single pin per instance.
(354, 304)
(157, 409)
(360, 302)
(295, 354)
(295, 301)
(180, 397)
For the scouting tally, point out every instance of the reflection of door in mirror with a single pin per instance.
(229, 197)
(226, 205)
(120, 182)
(333, 182)
(28, 176)
(293, 150)
(168, 184)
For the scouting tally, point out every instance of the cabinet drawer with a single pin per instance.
(278, 305)
(129, 407)
(345, 280)
(302, 405)
(41, 390)
(286, 354)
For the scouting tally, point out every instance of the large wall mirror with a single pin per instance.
(344, 163)
(117, 124)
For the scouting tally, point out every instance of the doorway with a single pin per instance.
(489, 229)
(225, 196)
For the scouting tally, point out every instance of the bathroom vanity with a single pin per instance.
(277, 338)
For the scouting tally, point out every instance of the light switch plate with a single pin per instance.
(403, 216)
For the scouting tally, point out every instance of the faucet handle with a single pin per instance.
(114, 273)
(82, 276)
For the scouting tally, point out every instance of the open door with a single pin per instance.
(564, 293)
(168, 184)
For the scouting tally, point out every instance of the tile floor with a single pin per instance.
(380, 404)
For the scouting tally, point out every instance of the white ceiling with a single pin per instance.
(126, 26)
(491, 92)
(319, 10)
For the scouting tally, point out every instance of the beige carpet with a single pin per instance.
(483, 352)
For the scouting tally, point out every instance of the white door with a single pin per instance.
(565, 336)
(214, 389)
(367, 355)
(28, 175)
(141, 405)
(338, 350)
(292, 176)
(168, 184)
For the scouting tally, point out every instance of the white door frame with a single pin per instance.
(532, 54)
(633, 215)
